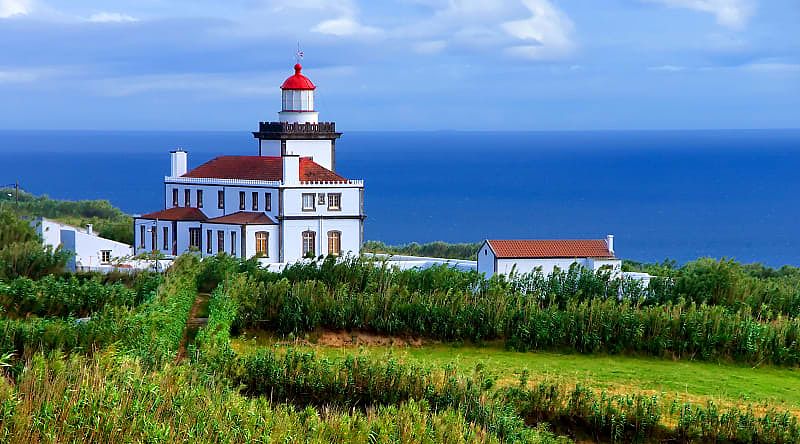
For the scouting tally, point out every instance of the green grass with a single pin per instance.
(729, 384)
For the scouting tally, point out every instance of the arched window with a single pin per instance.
(262, 244)
(309, 243)
(334, 243)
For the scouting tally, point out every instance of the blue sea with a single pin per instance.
(664, 194)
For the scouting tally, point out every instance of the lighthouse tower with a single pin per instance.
(298, 131)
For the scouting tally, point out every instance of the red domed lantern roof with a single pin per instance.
(298, 81)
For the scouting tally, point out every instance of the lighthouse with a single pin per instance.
(279, 206)
(298, 131)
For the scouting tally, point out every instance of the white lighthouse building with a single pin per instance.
(281, 205)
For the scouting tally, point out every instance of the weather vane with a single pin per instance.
(299, 55)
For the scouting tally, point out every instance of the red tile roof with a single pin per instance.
(532, 249)
(260, 168)
(244, 218)
(177, 213)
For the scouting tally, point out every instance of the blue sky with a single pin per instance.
(402, 64)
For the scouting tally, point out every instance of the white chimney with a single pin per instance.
(179, 161)
(291, 169)
(89, 229)
(610, 243)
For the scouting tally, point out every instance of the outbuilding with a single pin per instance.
(525, 256)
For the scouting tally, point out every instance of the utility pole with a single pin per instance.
(16, 192)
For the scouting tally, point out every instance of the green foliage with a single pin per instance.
(156, 328)
(112, 399)
(212, 345)
(109, 222)
(466, 251)
(53, 296)
(22, 253)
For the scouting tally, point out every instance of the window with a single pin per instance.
(262, 242)
(174, 197)
(199, 198)
(166, 236)
(255, 201)
(141, 236)
(233, 243)
(208, 241)
(308, 201)
(194, 238)
(154, 238)
(309, 242)
(241, 200)
(221, 199)
(335, 201)
(334, 243)
(187, 197)
(321, 199)
(220, 241)
(105, 256)
(267, 202)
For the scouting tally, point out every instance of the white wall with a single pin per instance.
(148, 225)
(293, 236)
(88, 247)
(320, 150)
(486, 260)
(271, 148)
(272, 241)
(49, 231)
(505, 266)
(295, 117)
(293, 202)
(210, 206)
(226, 230)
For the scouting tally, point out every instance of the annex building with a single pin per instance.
(283, 204)
(525, 256)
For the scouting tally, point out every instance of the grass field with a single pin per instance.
(726, 384)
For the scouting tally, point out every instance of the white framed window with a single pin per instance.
(233, 243)
(194, 238)
(334, 243)
(309, 243)
(267, 201)
(308, 201)
(262, 244)
(105, 256)
(335, 201)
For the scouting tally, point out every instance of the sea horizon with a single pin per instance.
(677, 194)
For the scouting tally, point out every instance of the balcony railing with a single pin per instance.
(290, 127)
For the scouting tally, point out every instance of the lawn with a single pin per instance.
(727, 384)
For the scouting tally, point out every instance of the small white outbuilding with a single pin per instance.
(91, 252)
(524, 256)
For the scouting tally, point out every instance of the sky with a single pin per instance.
(402, 64)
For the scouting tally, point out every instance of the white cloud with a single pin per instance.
(730, 13)
(430, 46)
(547, 33)
(667, 68)
(345, 26)
(111, 17)
(773, 67)
(11, 8)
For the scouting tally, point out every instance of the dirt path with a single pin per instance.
(198, 317)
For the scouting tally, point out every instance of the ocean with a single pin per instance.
(664, 194)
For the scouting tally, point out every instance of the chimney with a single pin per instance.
(89, 229)
(610, 243)
(179, 162)
(291, 169)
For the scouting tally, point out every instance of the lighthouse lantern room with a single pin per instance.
(298, 99)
